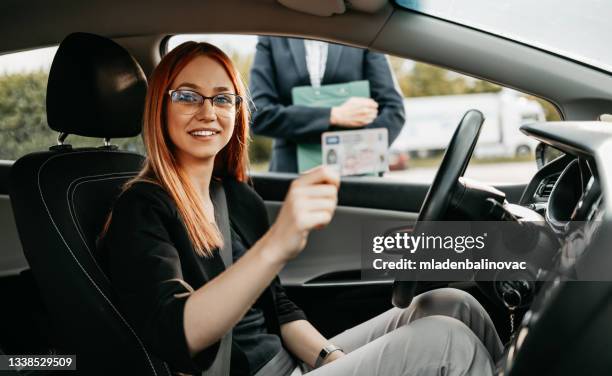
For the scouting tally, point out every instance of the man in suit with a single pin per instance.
(283, 63)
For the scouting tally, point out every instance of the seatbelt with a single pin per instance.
(221, 364)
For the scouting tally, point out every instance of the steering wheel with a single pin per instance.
(438, 198)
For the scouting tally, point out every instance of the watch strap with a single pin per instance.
(324, 353)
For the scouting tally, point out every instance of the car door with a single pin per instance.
(325, 279)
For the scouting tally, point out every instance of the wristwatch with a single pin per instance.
(325, 351)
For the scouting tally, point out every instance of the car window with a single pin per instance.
(434, 101)
(568, 28)
(23, 118)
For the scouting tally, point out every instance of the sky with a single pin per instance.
(239, 43)
(27, 61)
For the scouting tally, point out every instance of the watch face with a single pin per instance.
(324, 353)
(326, 350)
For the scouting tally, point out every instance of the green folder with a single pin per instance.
(309, 154)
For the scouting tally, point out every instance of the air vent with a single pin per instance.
(546, 186)
(546, 189)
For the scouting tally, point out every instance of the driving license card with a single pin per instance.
(357, 152)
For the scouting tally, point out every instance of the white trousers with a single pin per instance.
(443, 332)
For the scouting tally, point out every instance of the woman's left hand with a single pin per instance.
(333, 356)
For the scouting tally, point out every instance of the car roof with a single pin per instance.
(579, 91)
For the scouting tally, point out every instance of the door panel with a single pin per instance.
(333, 254)
(361, 192)
(367, 192)
(12, 259)
(5, 168)
(325, 279)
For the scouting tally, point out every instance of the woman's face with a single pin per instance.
(201, 135)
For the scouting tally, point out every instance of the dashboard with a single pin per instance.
(572, 193)
(567, 192)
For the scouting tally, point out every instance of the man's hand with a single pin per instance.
(354, 113)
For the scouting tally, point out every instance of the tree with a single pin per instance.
(23, 118)
(423, 80)
(260, 147)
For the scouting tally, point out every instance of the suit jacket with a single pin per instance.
(153, 268)
(280, 65)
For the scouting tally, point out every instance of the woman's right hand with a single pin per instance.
(310, 204)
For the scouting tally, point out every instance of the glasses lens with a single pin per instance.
(223, 100)
(188, 102)
(225, 104)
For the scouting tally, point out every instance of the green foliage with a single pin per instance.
(260, 149)
(242, 63)
(424, 80)
(23, 118)
(551, 112)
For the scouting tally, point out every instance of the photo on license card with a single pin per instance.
(356, 152)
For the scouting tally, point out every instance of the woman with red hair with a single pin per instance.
(164, 238)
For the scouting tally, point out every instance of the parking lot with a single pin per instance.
(511, 172)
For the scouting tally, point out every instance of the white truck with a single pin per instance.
(431, 121)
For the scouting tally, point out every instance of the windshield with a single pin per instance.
(579, 30)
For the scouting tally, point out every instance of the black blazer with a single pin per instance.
(153, 268)
(280, 65)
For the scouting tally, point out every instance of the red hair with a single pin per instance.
(161, 166)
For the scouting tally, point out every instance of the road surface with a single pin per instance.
(512, 172)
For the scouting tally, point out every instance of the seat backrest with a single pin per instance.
(61, 197)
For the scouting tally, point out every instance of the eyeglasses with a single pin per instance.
(189, 102)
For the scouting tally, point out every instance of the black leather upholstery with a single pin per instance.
(60, 199)
(95, 89)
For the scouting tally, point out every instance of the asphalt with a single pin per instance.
(512, 172)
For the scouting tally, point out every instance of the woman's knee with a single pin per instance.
(445, 342)
(445, 301)
(463, 307)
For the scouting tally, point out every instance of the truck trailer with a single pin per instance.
(431, 121)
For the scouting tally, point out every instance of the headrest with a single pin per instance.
(95, 89)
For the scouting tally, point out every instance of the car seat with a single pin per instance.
(61, 197)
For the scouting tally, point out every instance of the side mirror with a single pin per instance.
(544, 154)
